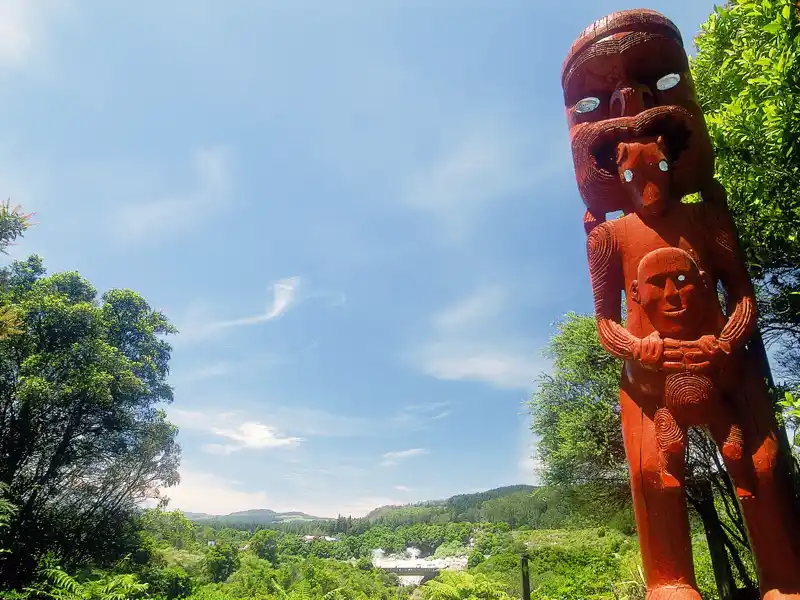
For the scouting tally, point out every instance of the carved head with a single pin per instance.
(645, 174)
(673, 292)
(625, 79)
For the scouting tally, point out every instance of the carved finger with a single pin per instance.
(673, 366)
(698, 367)
(673, 354)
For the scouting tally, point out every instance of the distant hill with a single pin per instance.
(465, 507)
(460, 506)
(258, 516)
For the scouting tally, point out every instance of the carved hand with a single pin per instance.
(648, 351)
(698, 355)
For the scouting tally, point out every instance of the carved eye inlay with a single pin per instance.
(681, 278)
(587, 105)
(663, 166)
(628, 175)
(667, 82)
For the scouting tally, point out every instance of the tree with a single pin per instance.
(169, 527)
(747, 74)
(60, 585)
(475, 558)
(451, 585)
(264, 544)
(221, 561)
(13, 223)
(576, 410)
(82, 438)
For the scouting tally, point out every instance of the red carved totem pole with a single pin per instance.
(640, 146)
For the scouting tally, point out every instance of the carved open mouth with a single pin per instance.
(674, 313)
(672, 123)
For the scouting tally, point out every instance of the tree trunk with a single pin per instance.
(702, 498)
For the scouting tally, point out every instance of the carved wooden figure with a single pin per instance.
(640, 146)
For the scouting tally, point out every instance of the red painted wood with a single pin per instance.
(640, 145)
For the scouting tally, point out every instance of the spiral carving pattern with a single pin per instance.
(682, 390)
(671, 437)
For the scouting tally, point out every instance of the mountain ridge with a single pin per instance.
(266, 516)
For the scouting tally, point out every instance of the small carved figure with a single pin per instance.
(639, 145)
(677, 298)
(675, 295)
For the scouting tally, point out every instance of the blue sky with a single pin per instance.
(362, 217)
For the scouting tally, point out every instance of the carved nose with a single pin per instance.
(631, 99)
(671, 290)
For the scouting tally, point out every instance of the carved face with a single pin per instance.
(627, 79)
(673, 292)
(644, 172)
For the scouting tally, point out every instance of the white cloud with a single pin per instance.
(197, 325)
(207, 493)
(486, 166)
(222, 368)
(22, 28)
(402, 488)
(209, 193)
(391, 459)
(303, 421)
(419, 416)
(468, 343)
(240, 435)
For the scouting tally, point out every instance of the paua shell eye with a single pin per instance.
(663, 165)
(587, 105)
(681, 278)
(628, 175)
(667, 82)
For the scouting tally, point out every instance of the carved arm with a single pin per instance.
(730, 267)
(605, 269)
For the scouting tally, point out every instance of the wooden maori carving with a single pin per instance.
(640, 146)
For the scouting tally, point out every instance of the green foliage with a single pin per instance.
(747, 73)
(169, 583)
(313, 579)
(576, 409)
(463, 586)
(475, 558)
(264, 545)
(221, 561)
(81, 439)
(170, 528)
(452, 548)
(62, 586)
(13, 224)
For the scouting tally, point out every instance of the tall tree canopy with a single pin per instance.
(576, 409)
(82, 437)
(747, 73)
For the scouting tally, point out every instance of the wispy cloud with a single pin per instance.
(307, 422)
(22, 28)
(391, 459)
(471, 341)
(201, 491)
(402, 488)
(486, 166)
(207, 194)
(197, 326)
(204, 492)
(223, 368)
(420, 416)
(239, 434)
